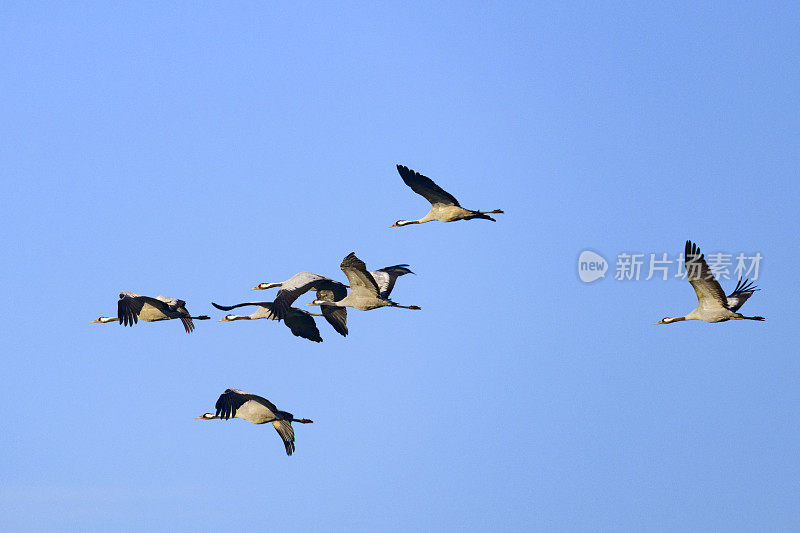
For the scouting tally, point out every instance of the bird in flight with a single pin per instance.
(713, 305)
(444, 206)
(235, 403)
(300, 322)
(132, 307)
(365, 294)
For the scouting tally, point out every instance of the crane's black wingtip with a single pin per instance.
(692, 250)
(349, 259)
(404, 170)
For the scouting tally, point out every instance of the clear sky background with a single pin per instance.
(197, 149)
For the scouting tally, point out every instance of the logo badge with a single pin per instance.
(591, 266)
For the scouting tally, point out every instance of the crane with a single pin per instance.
(326, 288)
(300, 322)
(131, 307)
(713, 305)
(364, 291)
(235, 403)
(444, 206)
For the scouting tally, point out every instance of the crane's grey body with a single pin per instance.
(713, 305)
(364, 291)
(444, 206)
(300, 322)
(235, 403)
(326, 288)
(132, 307)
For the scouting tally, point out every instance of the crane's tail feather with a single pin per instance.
(485, 214)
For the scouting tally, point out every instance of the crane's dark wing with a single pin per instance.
(361, 281)
(384, 281)
(228, 308)
(425, 187)
(232, 399)
(398, 270)
(336, 316)
(178, 307)
(293, 288)
(286, 431)
(173, 303)
(188, 325)
(385, 277)
(265, 309)
(743, 291)
(709, 292)
(302, 324)
(129, 306)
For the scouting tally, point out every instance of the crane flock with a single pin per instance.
(369, 290)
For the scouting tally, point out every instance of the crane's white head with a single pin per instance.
(206, 416)
(262, 286)
(321, 302)
(104, 320)
(667, 320)
(403, 223)
(231, 318)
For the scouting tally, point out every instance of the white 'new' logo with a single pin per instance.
(591, 266)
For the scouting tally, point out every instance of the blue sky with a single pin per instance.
(197, 149)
